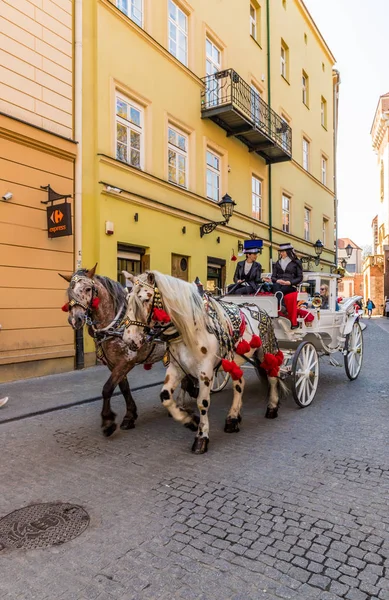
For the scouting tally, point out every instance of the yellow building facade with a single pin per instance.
(37, 149)
(176, 115)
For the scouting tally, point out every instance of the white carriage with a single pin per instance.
(333, 329)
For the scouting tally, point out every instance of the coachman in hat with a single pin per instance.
(287, 271)
(247, 278)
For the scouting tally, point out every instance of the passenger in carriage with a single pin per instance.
(324, 295)
(287, 271)
(247, 278)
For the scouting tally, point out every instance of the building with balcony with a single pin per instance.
(37, 149)
(181, 107)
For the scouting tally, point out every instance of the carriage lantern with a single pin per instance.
(226, 206)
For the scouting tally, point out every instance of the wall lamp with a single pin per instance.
(349, 251)
(240, 246)
(318, 247)
(226, 206)
(136, 217)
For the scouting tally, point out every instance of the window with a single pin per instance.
(305, 154)
(324, 232)
(133, 9)
(129, 131)
(324, 170)
(253, 21)
(307, 224)
(284, 60)
(178, 33)
(255, 105)
(256, 198)
(323, 112)
(285, 213)
(212, 66)
(177, 157)
(213, 176)
(305, 88)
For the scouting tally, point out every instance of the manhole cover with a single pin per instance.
(42, 525)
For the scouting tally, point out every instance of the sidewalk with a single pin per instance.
(44, 394)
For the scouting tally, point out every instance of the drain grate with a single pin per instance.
(42, 525)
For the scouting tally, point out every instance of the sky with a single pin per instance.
(355, 31)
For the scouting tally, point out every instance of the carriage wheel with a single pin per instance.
(353, 356)
(220, 380)
(305, 374)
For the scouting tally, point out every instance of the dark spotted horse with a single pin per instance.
(204, 333)
(100, 303)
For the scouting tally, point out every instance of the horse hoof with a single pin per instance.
(232, 425)
(200, 445)
(193, 425)
(271, 413)
(127, 424)
(109, 430)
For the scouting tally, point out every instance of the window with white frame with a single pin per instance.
(323, 112)
(255, 105)
(324, 170)
(284, 60)
(133, 9)
(256, 198)
(306, 154)
(213, 176)
(285, 213)
(213, 58)
(324, 232)
(177, 157)
(129, 131)
(178, 33)
(253, 21)
(305, 88)
(307, 224)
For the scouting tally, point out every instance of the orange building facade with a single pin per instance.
(36, 150)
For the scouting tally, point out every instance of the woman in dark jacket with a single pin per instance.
(247, 278)
(287, 271)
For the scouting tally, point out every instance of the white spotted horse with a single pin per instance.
(100, 303)
(204, 333)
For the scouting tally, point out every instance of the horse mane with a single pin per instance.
(115, 290)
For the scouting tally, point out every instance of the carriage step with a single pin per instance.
(334, 362)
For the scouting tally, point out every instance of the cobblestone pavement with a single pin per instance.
(291, 508)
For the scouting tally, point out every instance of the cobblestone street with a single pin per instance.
(291, 508)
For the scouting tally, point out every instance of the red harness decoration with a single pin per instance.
(229, 366)
(65, 307)
(161, 316)
(147, 366)
(243, 347)
(255, 341)
(95, 303)
(271, 363)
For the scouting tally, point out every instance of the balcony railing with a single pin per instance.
(236, 107)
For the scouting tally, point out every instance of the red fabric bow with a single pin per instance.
(147, 366)
(65, 307)
(161, 316)
(229, 366)
(242, 347)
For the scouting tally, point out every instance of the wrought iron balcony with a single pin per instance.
(236, 107)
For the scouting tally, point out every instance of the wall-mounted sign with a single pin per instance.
(59, 220)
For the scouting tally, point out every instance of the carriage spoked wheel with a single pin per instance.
(220, 380)
(353, 352)
(305, 374)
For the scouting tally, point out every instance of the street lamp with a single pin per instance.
(226, 206)
(349, 250)
(343, 263)
(318, 246)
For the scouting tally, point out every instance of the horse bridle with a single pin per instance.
(86, 307)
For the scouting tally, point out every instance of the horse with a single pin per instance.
(100, 303)
(204, 333)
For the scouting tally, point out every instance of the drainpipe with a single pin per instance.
(78, 133)
(269, 103)
(336, 78)
(79, 335)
